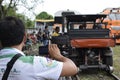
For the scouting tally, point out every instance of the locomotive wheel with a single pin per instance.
(109, 69)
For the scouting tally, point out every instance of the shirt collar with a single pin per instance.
(10, 51)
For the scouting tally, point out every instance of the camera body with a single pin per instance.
(43, 50)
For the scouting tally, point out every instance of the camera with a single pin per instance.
(43, 50)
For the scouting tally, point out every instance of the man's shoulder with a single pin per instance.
(55, 34)
(27, 59)
(30, 59)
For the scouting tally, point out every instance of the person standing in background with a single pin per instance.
(39, 36)
(46, 36)
(56, 31)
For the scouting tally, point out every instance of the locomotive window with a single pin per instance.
(114, 16)
(87, 25)
(76, 26)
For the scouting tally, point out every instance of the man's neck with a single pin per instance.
(19, 47)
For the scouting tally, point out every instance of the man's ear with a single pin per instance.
(0, 45)
(25, 37)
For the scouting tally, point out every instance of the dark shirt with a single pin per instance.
(46, 34)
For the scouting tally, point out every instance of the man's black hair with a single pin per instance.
(57, 28)
(46, 27)
(12, 31)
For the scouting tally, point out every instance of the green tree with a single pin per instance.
(44, 15)
(6, 6)
(28, 23)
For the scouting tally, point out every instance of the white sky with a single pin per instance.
(82, 6)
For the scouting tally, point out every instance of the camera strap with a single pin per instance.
(10, 65)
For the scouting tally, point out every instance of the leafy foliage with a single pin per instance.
(28, 23)
(9, 7)
(44, 15)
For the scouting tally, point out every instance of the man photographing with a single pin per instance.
(13, 37)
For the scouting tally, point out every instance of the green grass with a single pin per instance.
(116, 60)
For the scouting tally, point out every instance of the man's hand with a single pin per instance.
(69, 68)
(54, 52)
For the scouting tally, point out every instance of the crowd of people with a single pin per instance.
(41, 37)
